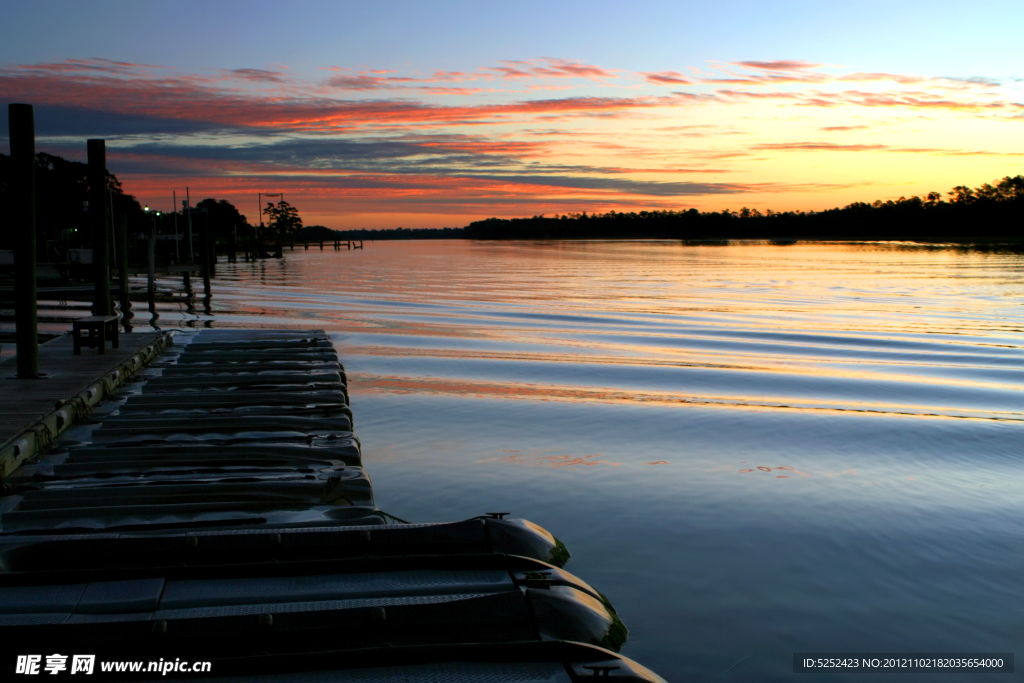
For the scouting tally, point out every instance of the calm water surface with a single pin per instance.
(752, 450)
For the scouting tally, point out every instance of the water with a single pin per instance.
(752, 450)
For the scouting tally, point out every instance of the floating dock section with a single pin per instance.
(215, 510)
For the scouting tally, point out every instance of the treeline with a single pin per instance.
(990, 213)
(62, 193)
(315, 233)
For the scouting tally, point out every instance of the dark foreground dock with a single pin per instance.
(34, 411)
(215, 510)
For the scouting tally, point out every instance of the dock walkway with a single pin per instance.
(34, 412)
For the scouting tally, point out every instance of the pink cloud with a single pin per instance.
(549, 68)
(448, 76)
(359, 83)
(780, 78)
(565, 68)
(779, 65)
(202, 99)
(880, 76)
(510, 72)
(911, 99)
(95, 66)
(666, 78)
(440, 90)
(257, 75)
(363, 81)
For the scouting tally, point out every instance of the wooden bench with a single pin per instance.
(100, 328)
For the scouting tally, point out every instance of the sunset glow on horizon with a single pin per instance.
(357, 140)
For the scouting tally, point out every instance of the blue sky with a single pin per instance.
(942, 38)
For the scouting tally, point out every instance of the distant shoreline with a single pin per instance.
(984, 216)
(976, 244)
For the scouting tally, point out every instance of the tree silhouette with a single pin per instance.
(283, 217)
(62, 190)
(223, 216)
(991, 212)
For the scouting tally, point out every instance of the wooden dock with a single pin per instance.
(34, 412)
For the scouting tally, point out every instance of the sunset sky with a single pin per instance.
(420, 114)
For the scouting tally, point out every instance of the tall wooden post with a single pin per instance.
(22, 130)
(205, 258)
(177, 241)
(151, 285)
(122, 272)
(98, 219)
(211, 247)
(188, 205)
(151, 263)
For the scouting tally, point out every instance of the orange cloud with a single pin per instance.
(836, 147)
(843, 128)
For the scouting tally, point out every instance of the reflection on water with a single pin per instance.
(752, 450)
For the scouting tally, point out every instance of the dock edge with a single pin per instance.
(40, 434)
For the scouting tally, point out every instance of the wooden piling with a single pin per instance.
(22, 206)
(98, 219)
(207, 264)
(211, 248)
(188, 204)
(151, 251)
(122, 272)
